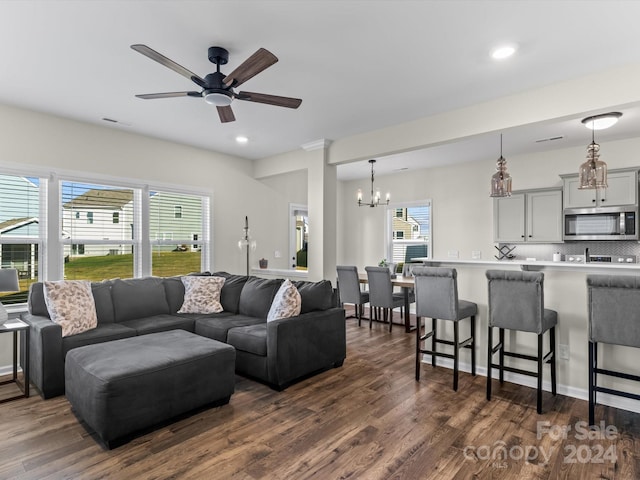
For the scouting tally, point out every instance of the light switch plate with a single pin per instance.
(277, 254)
(476, 255)
(453, 254)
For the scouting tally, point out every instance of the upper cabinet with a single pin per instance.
(622, 190)
(533, 216)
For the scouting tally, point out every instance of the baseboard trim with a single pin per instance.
(580, 393)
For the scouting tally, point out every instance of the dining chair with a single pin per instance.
(614, 303)
(381, 295)
(437, 298)
(516, 302)
(350, 290)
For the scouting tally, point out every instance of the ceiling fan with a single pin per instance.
(218, 88)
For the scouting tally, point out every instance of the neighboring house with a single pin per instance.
(405, 227)
(98, 214)
(19, 219)
(107, 214)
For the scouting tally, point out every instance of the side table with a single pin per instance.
(15, 325)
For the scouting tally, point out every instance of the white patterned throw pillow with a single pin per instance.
(286, 303)
(71, 305)
(201, 294)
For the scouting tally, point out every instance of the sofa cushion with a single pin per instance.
(286, 303)
(230, 295)
(217, 326)
(174, 291)
(160, 323)
(251, 339)
(315, 295)
(201, 295)
(138, 298)
(70, 304)
(257, 296)
(102, 333)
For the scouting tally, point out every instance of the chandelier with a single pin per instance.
(375, 199)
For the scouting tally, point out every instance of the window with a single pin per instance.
(176, 225)
(100, 240)
(105, 230)
(22, 233)
(409, 231)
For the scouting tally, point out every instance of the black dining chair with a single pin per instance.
(381, 296)
(350, 291)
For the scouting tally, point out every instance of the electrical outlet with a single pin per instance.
(563, 352)
(476, 255)
(452, 254)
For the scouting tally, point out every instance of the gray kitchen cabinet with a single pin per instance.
(533, 216)
(622, 190)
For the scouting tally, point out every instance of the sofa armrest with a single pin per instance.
(46, 366)
(301, 345)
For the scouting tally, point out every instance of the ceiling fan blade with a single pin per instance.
(167, 62)
(269, 99)
(226, 114)
(149, 96)
(252, 66)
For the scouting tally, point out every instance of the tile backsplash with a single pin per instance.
(544, 252)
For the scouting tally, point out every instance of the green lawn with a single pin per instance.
(165, 264)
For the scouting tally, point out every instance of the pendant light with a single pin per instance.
(501, 180)
(375, 199)
(593, 172)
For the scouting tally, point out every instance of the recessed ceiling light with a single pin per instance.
(602, 121)
(241, 139)
(502, 52)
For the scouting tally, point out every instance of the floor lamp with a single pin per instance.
(246, 242)
(8, 283)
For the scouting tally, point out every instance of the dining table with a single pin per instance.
(406, 284)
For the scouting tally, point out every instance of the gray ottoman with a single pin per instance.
(126, 385)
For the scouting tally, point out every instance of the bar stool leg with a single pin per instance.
(456, 354)
(490, 360)
(593, 364)
(552, 338)
(418, 348)
(539, 362)
(501, 354)
(434, 326)
(473, 345)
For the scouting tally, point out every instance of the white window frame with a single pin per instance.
(391, 213)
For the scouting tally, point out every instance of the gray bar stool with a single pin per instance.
(516, 302)
(437, 298)
(349, 289)
(614, 318)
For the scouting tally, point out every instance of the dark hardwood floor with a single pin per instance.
(369, 419)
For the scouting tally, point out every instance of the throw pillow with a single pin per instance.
(286, 303)
(71, 305)
(202, 294)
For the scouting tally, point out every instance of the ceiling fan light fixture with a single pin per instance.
(218, 98)
(602, 121)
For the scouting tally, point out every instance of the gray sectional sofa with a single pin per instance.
(277, 353)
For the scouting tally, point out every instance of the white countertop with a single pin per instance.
(536, 265)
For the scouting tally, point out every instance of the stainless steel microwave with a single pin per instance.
(606, 223)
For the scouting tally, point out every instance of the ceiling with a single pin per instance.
(357, 65)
